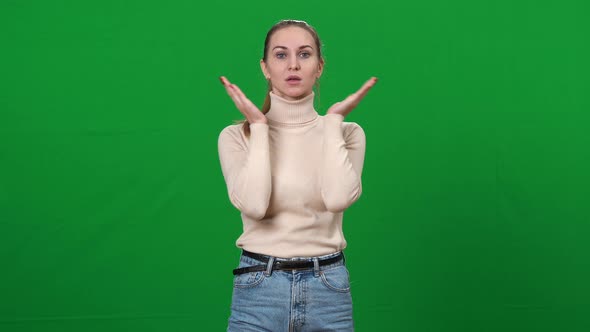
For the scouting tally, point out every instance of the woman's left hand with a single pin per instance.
(347, 105)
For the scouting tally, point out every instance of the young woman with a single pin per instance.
(291, 173)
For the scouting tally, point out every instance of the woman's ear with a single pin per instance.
(320, 68)
(264, 69)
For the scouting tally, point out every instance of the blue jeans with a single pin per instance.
(317, 299)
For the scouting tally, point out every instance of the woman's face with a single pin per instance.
(292, 63)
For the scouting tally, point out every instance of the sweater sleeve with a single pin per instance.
(342, 164)
(246, 169)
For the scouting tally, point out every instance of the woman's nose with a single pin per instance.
(294, 63)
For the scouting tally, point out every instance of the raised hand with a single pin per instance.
(347, 105)
(246, 107)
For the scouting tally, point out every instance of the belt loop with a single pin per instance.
(269, 266)
(343, 259)
(316, 267)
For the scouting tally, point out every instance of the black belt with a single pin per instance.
(283, 265)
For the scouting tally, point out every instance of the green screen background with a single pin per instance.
(114, 214)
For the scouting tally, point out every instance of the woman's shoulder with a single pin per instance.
(350, 125)
(352, 131)
(345, 123)
(232, 128)
(351, 128)
(232, 132)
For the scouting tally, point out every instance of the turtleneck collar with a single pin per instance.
(291, 112)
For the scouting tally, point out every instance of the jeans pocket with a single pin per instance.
(336, 278)
(249, 279)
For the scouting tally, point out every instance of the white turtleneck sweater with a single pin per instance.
(293, 178)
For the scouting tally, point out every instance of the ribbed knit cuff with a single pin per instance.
(334, 117)
(258, 130)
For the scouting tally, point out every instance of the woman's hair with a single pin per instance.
(280, 25)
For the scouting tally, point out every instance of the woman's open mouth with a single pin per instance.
(293, 80)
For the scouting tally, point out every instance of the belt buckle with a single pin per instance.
(292, 265)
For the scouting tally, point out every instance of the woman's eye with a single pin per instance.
(302, 54)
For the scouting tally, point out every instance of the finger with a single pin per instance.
(243, 99)
(224, 80)
(365, 88)
(231, 91)
(355, 98)
(239, 92)
(228, 88)
(227, 85)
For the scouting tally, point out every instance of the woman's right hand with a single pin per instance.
(246, 107)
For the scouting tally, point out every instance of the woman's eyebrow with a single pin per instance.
(300, 47)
